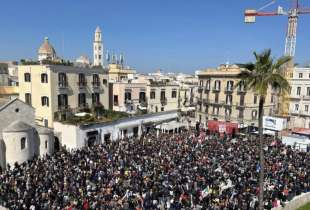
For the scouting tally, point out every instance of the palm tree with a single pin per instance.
(259, 77)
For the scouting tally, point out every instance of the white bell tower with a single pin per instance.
(98, 48)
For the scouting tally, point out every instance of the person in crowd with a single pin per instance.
(173, 171)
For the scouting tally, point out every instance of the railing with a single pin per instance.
(216, 89)
(96, 84)
(306, 98)
(229, 90)
(241, 90)
(143, 103)
(127, 101)
(63, 107)
(82, 84)
(62, 84)
(163, 101)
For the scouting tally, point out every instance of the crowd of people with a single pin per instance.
(169, 171)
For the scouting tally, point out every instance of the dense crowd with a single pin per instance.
(172, 171)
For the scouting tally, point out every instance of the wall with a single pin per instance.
(68, 135)
(296, 203)
(8, 114)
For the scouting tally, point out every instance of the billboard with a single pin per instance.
(274, 123)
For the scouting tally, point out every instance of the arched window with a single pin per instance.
(27, 77)
(44, 78)
(22, 143)
(44, 101)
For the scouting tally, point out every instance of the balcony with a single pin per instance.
(200, 89)
(163, 101)
(128, 101)
(96, 104)
(199, 101)
(96, 84)
(240, 105)
(306, 98)
(207, 89)
(216, 89)
(143, 103)
(63, 108)
(62, 85)
(82, 84)
(241, 91)
(206, 101)
(228, 103)
(229, 90)
(83, 106)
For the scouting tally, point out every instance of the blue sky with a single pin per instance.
(173, 35)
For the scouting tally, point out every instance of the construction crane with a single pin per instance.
(292, 13)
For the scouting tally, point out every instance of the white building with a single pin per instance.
(299, 108)
(98, 48)
(77, 136)
(20, 138)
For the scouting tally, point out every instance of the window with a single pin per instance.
(201, 83)
(95, 98)
(28, 98)
(300, 75)
(162, 109)
(306, 108)
(228, 99)
(230, 85)
(298, 91)
(152, 94)
(308, 91)
(255, 100)
(82, 99)
(242, 100)
(241, 114)
(272, 99)
(104, 81)
(127, 95)
(62, 80)
(27, 77)
(82, 80)
(173, 94)
(217, 85)
(215, 111)
(99, 47)
(45, 144)
(309, 75)
(296, 107)
(115, 100)
(216, 99)
(208, 84)
(254, 114)
(44, 78)
(44, 101)
(96, 80)
(62, 101)
(291, 75)
(162, 95)
(22, 143)
(99, 56)
(142, 97)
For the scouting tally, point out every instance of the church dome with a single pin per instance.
(17, 126)
(47, 48)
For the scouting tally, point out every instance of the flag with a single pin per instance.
(204, 193)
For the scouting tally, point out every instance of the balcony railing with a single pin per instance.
(206, 101)
(62, 84)
(143, 103)
(240, 105)
(163, 101)
(82, 84)
(229, 90)
(63, 107)
(128, 101)
(241, 91)
(216, 89)
(96, 84)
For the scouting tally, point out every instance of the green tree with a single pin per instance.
(259, 77)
